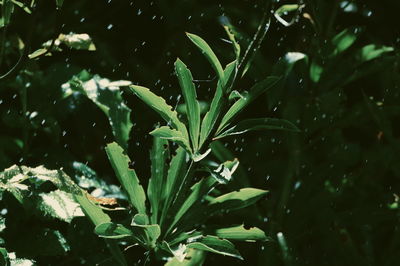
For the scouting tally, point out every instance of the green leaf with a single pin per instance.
(248, 97)
(158, 156)
(159, 105)
(235, 44)
(126, 176)
(259, 124)
(215, 245)
(4, 260)
(176, 175)
(113, 231)
(59, 3)
(284, 10)
(372, 51)
(168, 133)
(107, 96)
(199, 191)
(343, 40)
(148, 232)
(208, 53)
(240, 233)
(192, 105)
(217, 104)
(60, 205)
(315, 71)
(237, 199)
(8, 9)
(179, 252)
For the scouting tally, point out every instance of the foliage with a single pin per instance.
(313, 84)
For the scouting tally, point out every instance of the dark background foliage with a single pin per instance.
(332, 187)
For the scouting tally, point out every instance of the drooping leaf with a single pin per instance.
(159, 105)
(217, 104)
(107, 96)
(208, 53)
(285, 10)
(126, 176)
(174, 135)
(148, 232)
(192, 105)
(158, 156)
(215, 245)
(259, 124)
(237, 199)
(248, 97)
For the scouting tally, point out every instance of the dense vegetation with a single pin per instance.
(264, 131)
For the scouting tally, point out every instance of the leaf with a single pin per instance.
(166, 132)
(193, 257)
(235, 44)
(217, 104)
(208, 53)
(179, 252)
(126, 176)
(77, 41)
(343, 40)
(192, 105)
(284, 10)
(259, 124)
(215, 245)
(372, 51)
(59, 3)
(8, 9)
(223, 173)
(113, 231)
(315, 72)
(240, 233)
(237, 199)
(199, 191)
(60, 205)
(158, 156)
(176, 175)
(248, 97)
(4, 257)
(148, 232)
(159, 105)
(107, 96)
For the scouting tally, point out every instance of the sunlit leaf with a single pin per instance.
(247, 98)
(239, 232)
(237, 199)
(126, 176)
(174, 135)
(208, 53)
(192, 105)
(215, 245)
(159, 105)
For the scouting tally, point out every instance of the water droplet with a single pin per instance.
(109, 27)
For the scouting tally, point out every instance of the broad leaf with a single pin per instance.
(126, 176)
(208, 53)
(343, 40)
(192, 105)
(159, 105)
(215, 245)
(113, 231)
(259, 124)
(107, 96)
(248, 97)
(193, 257)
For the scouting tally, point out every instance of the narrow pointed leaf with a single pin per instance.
(217, 104)
(235, 44)
(159, 105)
(158, 156)
(215, 245)
(199, 191)
(126, 176)
(113, 231)
(259, 124)
(248, 97)
(192, 105)
(168, 133)
(208, 53)
(237, 199)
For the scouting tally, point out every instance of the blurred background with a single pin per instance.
(333, 187)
